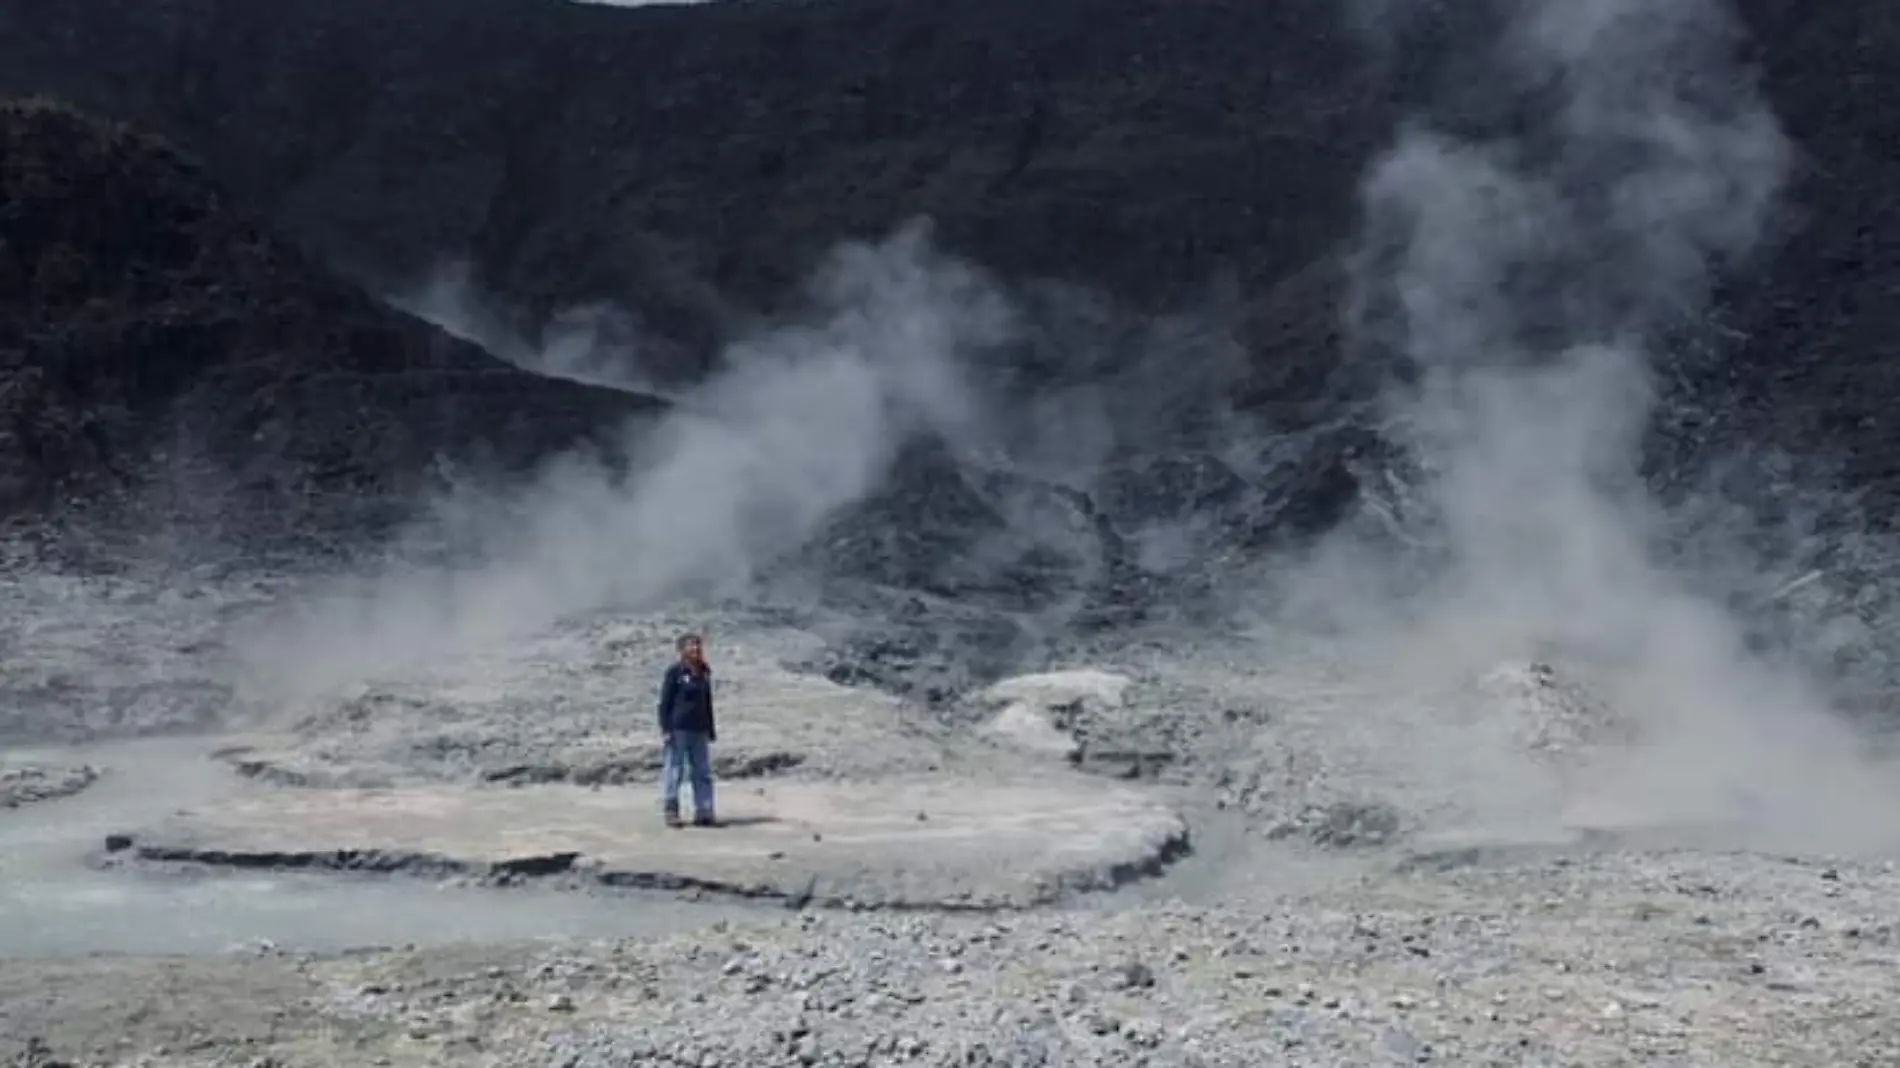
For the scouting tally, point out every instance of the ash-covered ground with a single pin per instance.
(1396, 853)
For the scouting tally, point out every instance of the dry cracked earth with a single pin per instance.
(1167, 849)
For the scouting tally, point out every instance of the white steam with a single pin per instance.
(802, 422)
(595, 343)
(1527, 280)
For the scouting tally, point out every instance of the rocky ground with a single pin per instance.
(1356, 894)
(576, 706)
(1608, 959)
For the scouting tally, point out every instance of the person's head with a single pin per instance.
(691, 648)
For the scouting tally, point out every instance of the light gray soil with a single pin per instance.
(1460, 866)
(1605, 960)
(57, 902)
(940, 842)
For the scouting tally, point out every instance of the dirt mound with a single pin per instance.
(1553, 715)
(1082, 715)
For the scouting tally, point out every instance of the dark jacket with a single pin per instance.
(686, 702)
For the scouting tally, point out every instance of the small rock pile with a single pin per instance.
(26, 785)
(1553, 714)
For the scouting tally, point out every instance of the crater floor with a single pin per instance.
(946, 842)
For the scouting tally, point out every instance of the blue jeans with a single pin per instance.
(686, 754)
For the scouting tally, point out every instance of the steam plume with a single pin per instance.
(804, 421)
(1525, 281)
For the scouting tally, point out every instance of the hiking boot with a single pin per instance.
(705, 819)
(673, 818)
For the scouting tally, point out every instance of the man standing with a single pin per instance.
(686, 725)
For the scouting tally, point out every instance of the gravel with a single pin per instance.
(1607, 959)
(1357, 897)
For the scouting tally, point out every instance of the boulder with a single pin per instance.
(1040, 713)
(1063, 690)
(1020, 727)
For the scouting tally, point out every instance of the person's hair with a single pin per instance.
(679, 644)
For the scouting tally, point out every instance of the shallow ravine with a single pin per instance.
(54, 903)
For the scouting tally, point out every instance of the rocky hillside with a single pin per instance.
(694, 161)
(160, 350)
(167, 361)
(684, 157)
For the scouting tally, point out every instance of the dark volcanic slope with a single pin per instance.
(1821, 366)
(661, 155)
(155, 343)
(691, 160)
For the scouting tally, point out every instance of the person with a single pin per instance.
(687, 729)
